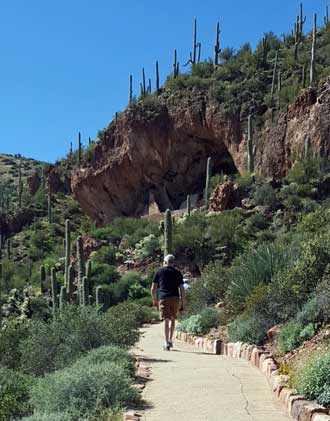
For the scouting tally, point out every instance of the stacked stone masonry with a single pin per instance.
(297, 406)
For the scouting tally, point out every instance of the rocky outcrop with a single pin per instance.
(33, 182)
(160, 148)
(11, 224)
(225, 196)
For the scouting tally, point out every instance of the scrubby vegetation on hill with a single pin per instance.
(73, 295)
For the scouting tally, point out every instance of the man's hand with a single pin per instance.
(155, 303)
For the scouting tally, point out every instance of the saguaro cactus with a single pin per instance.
(84, 292)
(63, 297)
(49, 202)
(273, 80)
(167, 233)
(53, 282)
(217, 49)
(193, 54)
(130, 88)
(20, 186)
(8, 249)
(188, 204)
(308, 148)
(67, 250)
(144, 89)
(157, 78)
(313, 60)
(326, 17)
(98, 296)
(69, 285)
(279, 88)
(89, 269)
(251, 148)
(80, 261)
(301, 19)
(207, 181)
(42, 278)
(175, 65)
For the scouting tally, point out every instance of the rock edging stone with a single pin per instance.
(297, 406)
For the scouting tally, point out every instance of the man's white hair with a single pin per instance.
(169, 260)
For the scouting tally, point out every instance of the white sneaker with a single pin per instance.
(167, 346)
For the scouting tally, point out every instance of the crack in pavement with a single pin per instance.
(246, 408)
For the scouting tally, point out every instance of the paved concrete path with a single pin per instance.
(188, 384)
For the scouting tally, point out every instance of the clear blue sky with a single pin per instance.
(65, 64)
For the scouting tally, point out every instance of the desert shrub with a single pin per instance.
(294, 334)
(110, 354)
(10, 338)
(311, 312)
(130, 285)
(148, 246)
(251, 330)
(83, 389)
(313, 379)
(106, 255)
(265, 195)
(305, 170)
(257, 266)
(59, 416)
(104, 274)
(198, 297)
(215, 278)
(74, 332)
(200, 324)
(255, 224)
(134, 228)
(14, 394)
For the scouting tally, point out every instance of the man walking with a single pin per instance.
(169, 283)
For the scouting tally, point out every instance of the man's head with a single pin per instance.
(169, 260)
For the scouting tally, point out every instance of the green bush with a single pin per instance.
(200, 324)
(14, 394)
(59, 416)
(106, 255)
(148, 246)
(257, 266)
(74, 332)
(84, 389)
(251, 330)
(289, 338)
(265, 195)
(104, 274)
(11, 336)
(215, 278)
(110, 354)
(313, 379)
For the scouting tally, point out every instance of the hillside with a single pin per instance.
(227, 167)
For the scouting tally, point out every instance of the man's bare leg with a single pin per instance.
(166, 326)
(172, 327)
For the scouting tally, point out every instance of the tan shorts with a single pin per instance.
(169, 307)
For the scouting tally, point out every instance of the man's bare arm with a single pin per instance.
(183, 297)
(154, 288)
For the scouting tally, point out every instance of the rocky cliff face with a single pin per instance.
(157, 150)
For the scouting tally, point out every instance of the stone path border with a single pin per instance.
(297, 406)
(143, 372)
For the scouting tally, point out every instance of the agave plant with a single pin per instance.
(258, 266)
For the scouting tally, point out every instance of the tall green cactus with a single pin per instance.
(193, 54)
(69, 283)
(144, 89)
(79, 149)
(20, 187)
(207, 181)
(326, 17)
(273, 80)
(98, 296)
(84, 292)
(63, 298)
(49, 205)
(313, 57)
(308, 148)
(251, 147)
(89, 269)
(279, 88)
(167, 233)
(157, 78)
(301, 19)
(80, 262)
(175, 65)
(67, 250)
(217, 49)
(130, 88)
(188, 204)
(53, 282)
(42, 278)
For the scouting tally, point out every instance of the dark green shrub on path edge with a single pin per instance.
(77, 330)
(313, 379)
(14, 394)
(84, 389)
